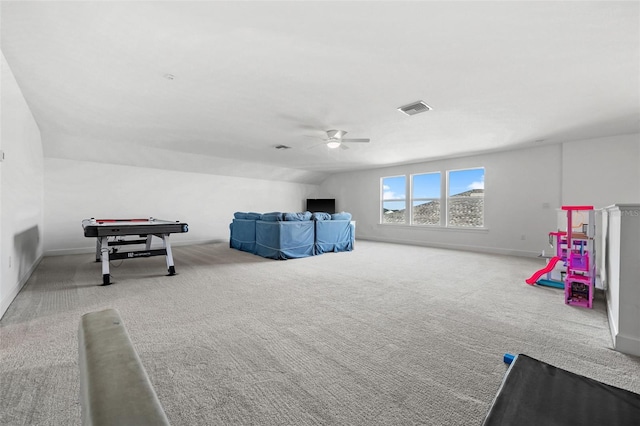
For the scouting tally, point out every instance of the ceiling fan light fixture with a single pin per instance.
(333, 144)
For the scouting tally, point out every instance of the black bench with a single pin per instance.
(536, 393)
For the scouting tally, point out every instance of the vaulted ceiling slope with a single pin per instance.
(215, 86)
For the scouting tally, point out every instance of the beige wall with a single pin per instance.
(524, 188)
(76, 190)
(522, 193)
(21, 190)
(602, 171)
(622, 276)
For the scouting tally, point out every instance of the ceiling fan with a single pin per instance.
(335, 138)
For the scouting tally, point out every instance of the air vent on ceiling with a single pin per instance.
(415, 108)
(282, 147)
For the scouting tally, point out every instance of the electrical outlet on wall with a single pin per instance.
(523, 237)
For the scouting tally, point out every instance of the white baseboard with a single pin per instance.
(613, 322)
(92, 249)
(6, 301)
(479, 249)
(627, 345)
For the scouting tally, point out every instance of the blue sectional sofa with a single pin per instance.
(285, 235)
(243, 231)
(279, 235)
(333, 232)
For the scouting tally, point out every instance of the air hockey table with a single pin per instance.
(118, 232)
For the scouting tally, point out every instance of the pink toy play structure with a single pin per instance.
(536, 276)
(575, 249)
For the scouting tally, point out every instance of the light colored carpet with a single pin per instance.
(384, 335)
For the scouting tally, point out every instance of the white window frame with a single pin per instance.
(444, 199)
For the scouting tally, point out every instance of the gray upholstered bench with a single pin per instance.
(114, 386)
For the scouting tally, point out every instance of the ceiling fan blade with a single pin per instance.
(316, 145)
(356, 140)
(343, 146)
(335, 134)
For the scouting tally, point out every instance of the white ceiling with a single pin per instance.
(253, 75)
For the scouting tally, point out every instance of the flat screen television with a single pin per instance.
(326, 205)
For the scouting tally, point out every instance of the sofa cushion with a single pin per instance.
(272, 217)
(250, 215)
(321, 216)
(341, 216)
(291, 217)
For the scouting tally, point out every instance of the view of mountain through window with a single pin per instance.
(425, 199)
(463, 203)
(394, 199)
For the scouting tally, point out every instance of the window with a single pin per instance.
(425, 199)
(457, 202)
(393, 199)
(465, 198)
